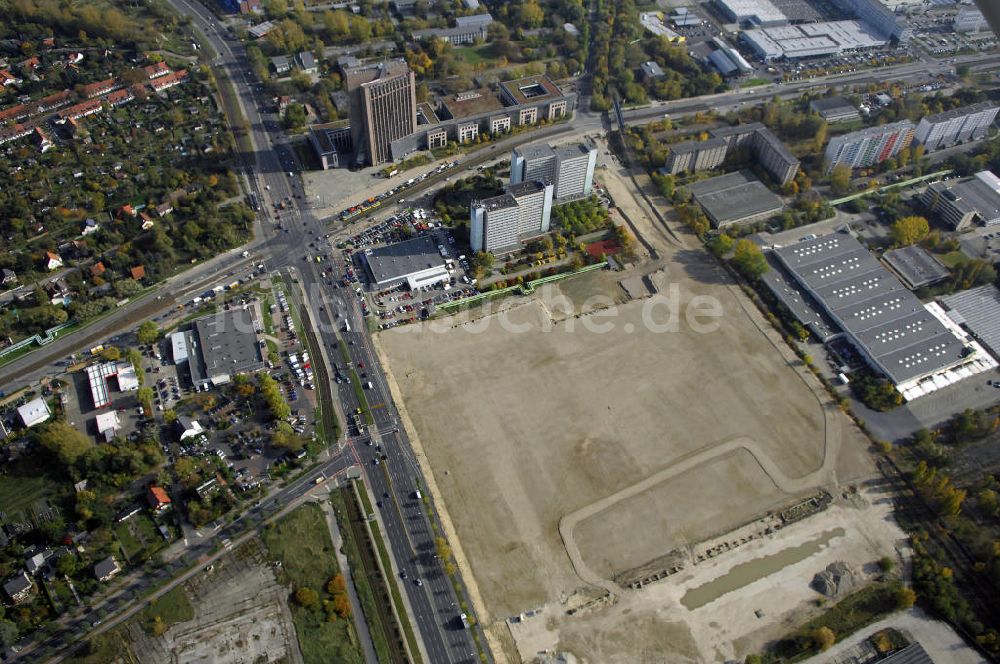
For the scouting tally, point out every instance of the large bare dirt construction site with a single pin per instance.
(240, 617)
(577, 462)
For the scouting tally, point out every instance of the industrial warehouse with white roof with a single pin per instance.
(417, 262)
(918, 348)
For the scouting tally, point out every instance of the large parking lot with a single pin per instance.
(398, 305)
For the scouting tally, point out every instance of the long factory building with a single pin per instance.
(919, 349)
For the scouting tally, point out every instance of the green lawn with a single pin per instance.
(131, 546)
(301, 541)
(139, 534)
(754, 82)
(363, 579)
(847, 616)
(18, 493)
(475, 55)
(108, 647)
(952, 258)
(172, 607)
(383, 555)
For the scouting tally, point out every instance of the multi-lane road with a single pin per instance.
(396, 478)
(271, 173)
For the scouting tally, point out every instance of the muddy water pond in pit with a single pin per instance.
(746, 573)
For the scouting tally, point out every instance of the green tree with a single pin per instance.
(145, 397)
(530, 15)
(749, 259)
(8, 633)
(820, 138)
(295, 116)
(64, 441)
(442, 547)
(111, 353)
(134, 358)
(127, 287)
(823, 638)
(68, 565)
(905, 597)
(276, 8)
(307, 597)
(361, 29)
(840, 179)
(148, 332)
(910, 230)
(285, 438)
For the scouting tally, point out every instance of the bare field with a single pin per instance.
(527, 423)
(241, 617)
(662, 527)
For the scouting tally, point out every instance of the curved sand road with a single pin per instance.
(824, 475)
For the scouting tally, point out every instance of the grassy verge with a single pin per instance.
(328, 416)
(205, 53)
(170, 608)
(847, 616)
(17, 493)
(112, 646)
(368, 580)
(383, 554)
(237, 121)
(301, 542)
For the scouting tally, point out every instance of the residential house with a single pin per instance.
(251, 7)
(307, 62)
(15, 113)
(169, 81)
(92, 90)
(107, 569)
(30, 65)
(18, 588)
(147, 223)
(81, 110)
(97, 269)
(14, 133)
(163, 209)
(36, 559)
(7, 78)
(120, 97)
(128, 512)
(74, 58)
(188, 427)
(158, 498)
(156, 70)
(7, 277)
(90, 226)
(260, 30)
(58, 291)
(52, 261)
(138, 272)
(34, 412)
(281, 64)
(41, 140)
(127, 210)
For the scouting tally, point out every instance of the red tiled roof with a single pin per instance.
(101, 87)
(18, 112)
(169, 80)
(157, 496)
(156, 70)
(82, 109)
(138, 272)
